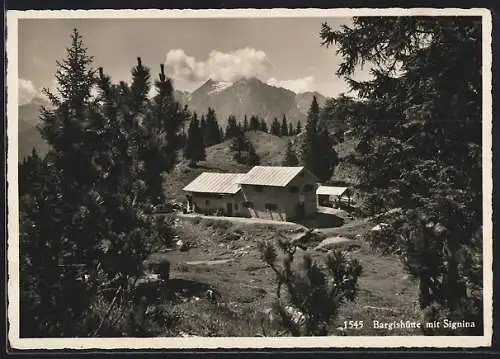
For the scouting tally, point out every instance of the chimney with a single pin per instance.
(139, 62)
(101, 73)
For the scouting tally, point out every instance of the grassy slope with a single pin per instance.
(345, 170)
(220, 159)
(247, 287)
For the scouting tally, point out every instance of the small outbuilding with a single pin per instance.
(327, 196)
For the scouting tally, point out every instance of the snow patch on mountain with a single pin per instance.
(220, 86)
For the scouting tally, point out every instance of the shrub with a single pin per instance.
(314, 295)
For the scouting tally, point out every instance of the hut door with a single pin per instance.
(229, 208)
(301, 210)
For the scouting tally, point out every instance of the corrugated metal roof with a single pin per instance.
(270, 176)
(211, 182)
(331, 191)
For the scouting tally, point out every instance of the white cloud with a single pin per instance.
(299, 85)
(220, 66)
(26, 91)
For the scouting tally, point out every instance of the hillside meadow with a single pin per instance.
(223, 258)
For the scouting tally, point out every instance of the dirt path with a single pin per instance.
(241, 220)
(212, 262)
(330, 210)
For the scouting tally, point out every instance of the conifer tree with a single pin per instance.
(275, 128)
(232, 128)
(243, 150)
(284, 126)
(254, 123)
(28, 169)
(213, 133)
(290, 129)
(263, 126)
(315, 293)
(252, 158)
(162, 138)
(424, 154)
(318, 154)
(299, 127)
(59, 202)
(221, 132)
(309, 145)
(245, 124)
(203, 128)
(290, 158)
(144, 132)
(239, 145)
(327, 157)
(83, 210)
(195, 149)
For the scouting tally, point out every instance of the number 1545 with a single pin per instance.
(353, 324)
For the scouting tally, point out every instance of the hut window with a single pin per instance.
(271, 206)
(207, 202)
(308, 188)
(248, 204)
(236, 207)
(293, 189)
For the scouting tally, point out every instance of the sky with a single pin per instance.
(283, 52)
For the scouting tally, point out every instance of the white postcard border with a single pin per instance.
(240, 342)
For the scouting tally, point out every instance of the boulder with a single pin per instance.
(336, 242)
(380, 227)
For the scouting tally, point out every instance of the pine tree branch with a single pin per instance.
(108, 312)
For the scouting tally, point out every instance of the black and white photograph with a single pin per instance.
(249, 178)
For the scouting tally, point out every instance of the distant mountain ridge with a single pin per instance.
(304, 100)
(29, 136)
(249, 97)
(243, 97)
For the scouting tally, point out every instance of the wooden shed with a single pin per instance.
(327, 196)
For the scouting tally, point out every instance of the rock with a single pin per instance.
(380, 227)
(335, 242)
(182, 246)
